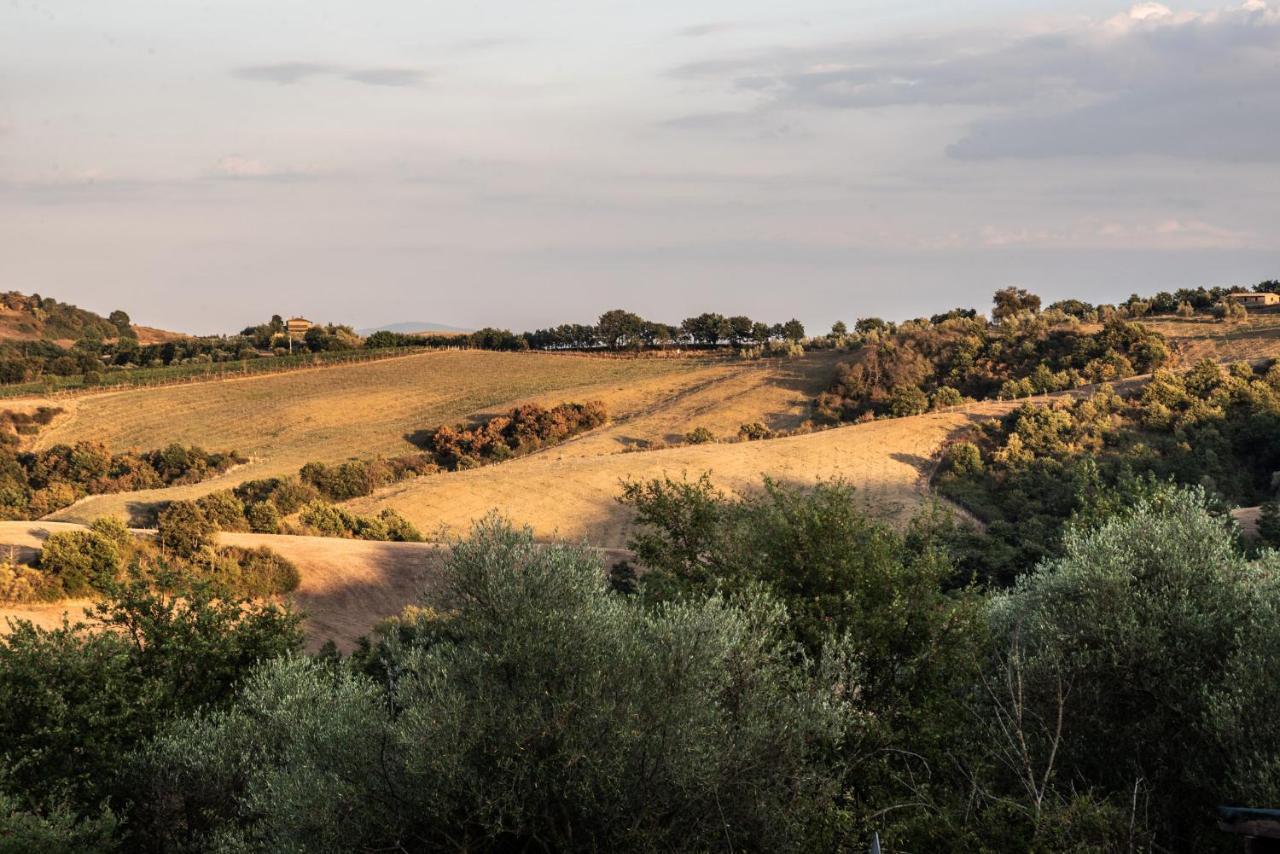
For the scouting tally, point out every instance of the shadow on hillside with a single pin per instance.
(924, 465)
(344, 594)
(142, 514)
(420, 439)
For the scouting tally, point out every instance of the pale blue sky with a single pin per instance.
(205, 164)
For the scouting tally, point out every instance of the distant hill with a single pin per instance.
(36, 318)
(410, 327)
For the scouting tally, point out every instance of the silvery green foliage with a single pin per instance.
(547, 713)
(1164, 641)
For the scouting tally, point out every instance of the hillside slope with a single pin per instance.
(36, 318)
(284, 421)
(565, 493)
(346, 585)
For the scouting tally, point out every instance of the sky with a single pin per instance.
(204, 165)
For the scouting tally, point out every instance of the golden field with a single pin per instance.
(282, 421)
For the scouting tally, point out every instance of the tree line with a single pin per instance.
(616, 330)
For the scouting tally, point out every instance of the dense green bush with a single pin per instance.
(837, 571)
(223, 510)
(1156, 641)
(328, 520)
(77, 698)
(184, 530)
(263, 518)
(1026, 475)
(81, 562)
(547, 713)
(255, 573)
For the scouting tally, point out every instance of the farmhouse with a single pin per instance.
(297, 326)
(1252, 300)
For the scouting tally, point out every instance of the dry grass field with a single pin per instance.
(1199, 338)
(282, 421)
(565, 493)
(346, 585)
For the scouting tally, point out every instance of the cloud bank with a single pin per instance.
(1152, 81)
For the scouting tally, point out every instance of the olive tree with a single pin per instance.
(547, 713)
(1150, 648)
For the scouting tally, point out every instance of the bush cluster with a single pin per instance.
(924, 365)
(327, 520)
(1026, 475)
(36, 483)
(186, 528)
(94, 561)
(357, 478)
(523, 430)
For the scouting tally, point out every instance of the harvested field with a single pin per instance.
(563, 493)
(283, 421)
(1204, 338)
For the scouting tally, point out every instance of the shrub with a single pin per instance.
(399, 529)
(547, 713)
(699, 436)
(328, 520)
(79, 698)
(184, 530)
(1149, 636)
(348, 480)
(263, 518)
(525, 429)
(289, 494)
(754, 432)
(907, 400)
(962, 458)
(944, 397)
(260, 572)
(223, 510)
(82, 562)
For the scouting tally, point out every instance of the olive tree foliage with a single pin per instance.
(837, 571)
(1147, 655)
(79, 697)
(544, 713)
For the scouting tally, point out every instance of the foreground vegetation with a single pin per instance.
(788, 676)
